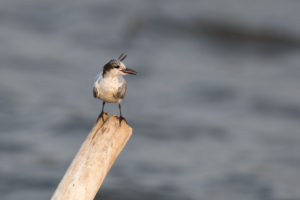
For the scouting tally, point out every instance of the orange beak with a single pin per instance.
(129, 71)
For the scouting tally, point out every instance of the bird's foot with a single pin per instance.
(122, 118)
(101, 115)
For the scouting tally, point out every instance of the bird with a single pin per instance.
(110, 86)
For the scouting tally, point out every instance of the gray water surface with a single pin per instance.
(215, 107)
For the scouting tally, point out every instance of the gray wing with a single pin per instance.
(95, 92)
(121, 92)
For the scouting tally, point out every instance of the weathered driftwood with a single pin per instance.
(97, 154)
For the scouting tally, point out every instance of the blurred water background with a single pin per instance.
(215, 107)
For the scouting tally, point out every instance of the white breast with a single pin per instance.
(107, 88)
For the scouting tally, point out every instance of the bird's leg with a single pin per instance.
(101, 114)
(121, 116)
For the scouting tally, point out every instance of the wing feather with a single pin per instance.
(121, 91)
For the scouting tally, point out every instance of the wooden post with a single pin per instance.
(97, 154)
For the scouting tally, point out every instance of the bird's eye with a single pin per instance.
(117, 66)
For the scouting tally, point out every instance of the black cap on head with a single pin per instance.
(110, 65)
(113, 63)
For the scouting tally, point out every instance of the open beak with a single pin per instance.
(129, 71)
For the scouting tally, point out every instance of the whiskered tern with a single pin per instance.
(110, 86)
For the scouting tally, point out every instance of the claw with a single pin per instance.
(100, 116)
(120, 120)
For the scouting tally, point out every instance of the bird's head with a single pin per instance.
(116, 67)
